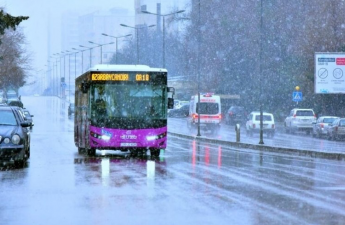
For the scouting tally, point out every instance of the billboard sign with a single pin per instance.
(329, 73)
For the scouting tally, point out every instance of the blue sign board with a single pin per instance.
(297, 96)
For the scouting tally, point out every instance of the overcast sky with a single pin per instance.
(42, 11)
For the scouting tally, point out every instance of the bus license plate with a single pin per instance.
(128, 144)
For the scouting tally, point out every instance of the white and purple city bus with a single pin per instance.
(122, 107)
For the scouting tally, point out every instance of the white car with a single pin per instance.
(253, 124)
(300, 120)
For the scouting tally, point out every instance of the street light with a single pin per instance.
(199, 37)
(62, 81)
(261, 113)
(69, 73)
(90, 51)
(100, 45)
(116, 42)
(82, 57)
(136, 28)
(163, 15)
(55, 71)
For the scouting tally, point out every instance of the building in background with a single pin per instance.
(78, 29)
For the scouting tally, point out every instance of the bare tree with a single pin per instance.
(14, 62)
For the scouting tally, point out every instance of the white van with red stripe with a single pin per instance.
(209, 110)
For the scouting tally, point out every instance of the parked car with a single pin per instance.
(15, 102)
(179, 112)
(14, 137)
(21, 114)
(320, 126)
(253, 124)
(70, 109)
(235, 114)
(180, 104)
(336, 130)
(28, 117)
(176, 103)
(300, 120)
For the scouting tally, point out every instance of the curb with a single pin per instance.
(267, 148)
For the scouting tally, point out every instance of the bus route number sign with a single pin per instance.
(142, 77)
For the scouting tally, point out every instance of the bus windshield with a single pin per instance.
(114, 101)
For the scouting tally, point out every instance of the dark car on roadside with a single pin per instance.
(14, 137)
(28, 117)
(70, 109)
(16, 102)
(235, 114)
(183, 111)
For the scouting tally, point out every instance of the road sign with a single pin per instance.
(297, 96)
(329, 74)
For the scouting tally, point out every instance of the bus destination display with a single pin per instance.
(120, 77)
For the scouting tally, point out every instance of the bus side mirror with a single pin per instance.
(171, 92)
(171, 89)
(170, 103)
(84, 87)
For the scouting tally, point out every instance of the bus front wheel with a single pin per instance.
(155, 152)
(81, 150)
(91, 151)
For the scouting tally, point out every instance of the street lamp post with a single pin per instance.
(69, 72)
(57, 72)
(54, 72)
(163, 15)
(75, 65)
(69, 77)
(64, 75)
(261, 113)
(116, 42)
(90, 51)
(100, 45)
(136, 28)
(75, 59)
(82, 58)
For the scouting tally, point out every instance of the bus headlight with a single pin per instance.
(105, 137)
(156, 137)
(151, 138)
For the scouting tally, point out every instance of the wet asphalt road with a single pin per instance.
(193, 182)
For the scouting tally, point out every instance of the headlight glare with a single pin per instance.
(105, 137)
(151, 138)
(156, 137)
